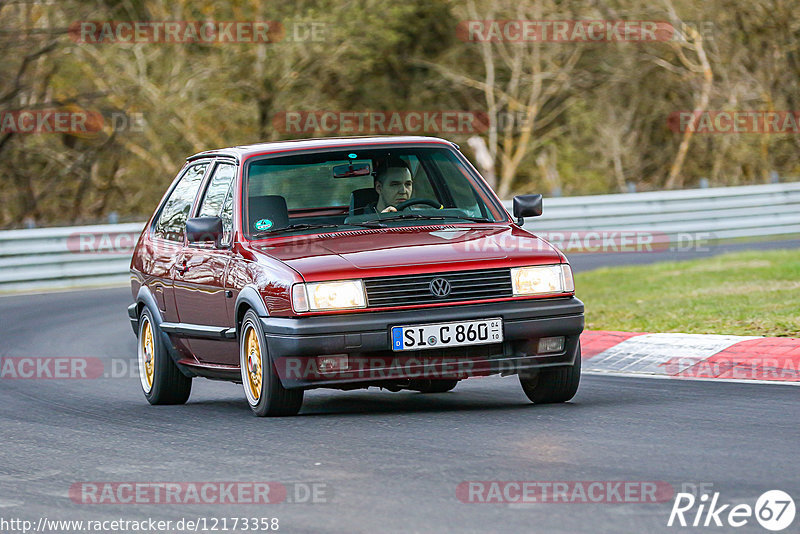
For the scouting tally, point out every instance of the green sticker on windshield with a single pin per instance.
(263, 224)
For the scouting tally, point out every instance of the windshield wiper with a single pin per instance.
(377, 223)
(473, 219)
(299, 226)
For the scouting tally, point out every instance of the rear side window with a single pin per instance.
(227, 218)
(171, 223)
(218, 199)
(217, 190)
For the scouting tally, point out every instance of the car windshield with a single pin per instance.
(340, 190)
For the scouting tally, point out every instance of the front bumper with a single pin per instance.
(295, 343)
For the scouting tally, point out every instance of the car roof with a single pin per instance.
(244, 151)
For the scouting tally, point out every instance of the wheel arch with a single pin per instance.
(249, 299)
(144, 299)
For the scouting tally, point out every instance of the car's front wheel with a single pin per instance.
(553, 384)
(262, 386)
(162, 381)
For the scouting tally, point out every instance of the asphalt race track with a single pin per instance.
(381, 461)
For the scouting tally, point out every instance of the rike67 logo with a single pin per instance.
(774, 510)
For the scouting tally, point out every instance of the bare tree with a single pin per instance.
(523, 85)
(696, 67)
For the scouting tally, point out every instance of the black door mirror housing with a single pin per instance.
(204, 229)
(527, 206)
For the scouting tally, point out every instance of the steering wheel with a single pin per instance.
(415, 201)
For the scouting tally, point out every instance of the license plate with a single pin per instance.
(456, 334)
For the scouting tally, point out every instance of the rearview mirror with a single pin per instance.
(351, 170)
(203, 229)
(527, 206)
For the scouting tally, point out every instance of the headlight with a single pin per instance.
(320, 296)
(542, 279)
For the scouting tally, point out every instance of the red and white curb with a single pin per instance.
(773, 360)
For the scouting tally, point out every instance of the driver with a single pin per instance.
(393, 184)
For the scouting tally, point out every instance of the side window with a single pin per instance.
(227, 217)
(217, 190)
(171, 224)
(218, 199)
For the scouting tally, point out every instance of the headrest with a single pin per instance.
(268, 212)
(361, 197)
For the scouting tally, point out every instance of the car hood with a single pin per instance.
(410, 250)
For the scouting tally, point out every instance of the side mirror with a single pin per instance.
(527, 206)
(203, 229)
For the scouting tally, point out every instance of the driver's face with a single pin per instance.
(395, 187)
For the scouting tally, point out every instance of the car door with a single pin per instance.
(201, 272)
(167, 239)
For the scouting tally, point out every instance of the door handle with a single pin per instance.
(182, 268)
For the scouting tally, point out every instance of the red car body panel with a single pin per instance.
(389, 252)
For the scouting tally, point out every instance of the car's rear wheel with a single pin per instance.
(553, 384)
(162, 382)
(262, 386)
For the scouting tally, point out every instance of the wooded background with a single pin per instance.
(589, 117)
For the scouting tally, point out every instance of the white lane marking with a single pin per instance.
(61, 289)
(692, 378)
(649, 353)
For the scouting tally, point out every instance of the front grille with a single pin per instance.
(415, 289)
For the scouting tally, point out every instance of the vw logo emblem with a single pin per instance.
(439, 287)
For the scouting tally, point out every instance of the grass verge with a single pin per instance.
(744, 293)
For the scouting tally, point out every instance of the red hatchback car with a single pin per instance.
(347, 263)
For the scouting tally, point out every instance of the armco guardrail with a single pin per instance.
(729, 212)
(63, 257)
(44, 258)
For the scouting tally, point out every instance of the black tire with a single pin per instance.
(554, 384)
(434, 385)
(166, 384)
(273, 400)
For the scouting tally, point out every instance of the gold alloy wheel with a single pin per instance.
(254, 369)
(147, 353)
